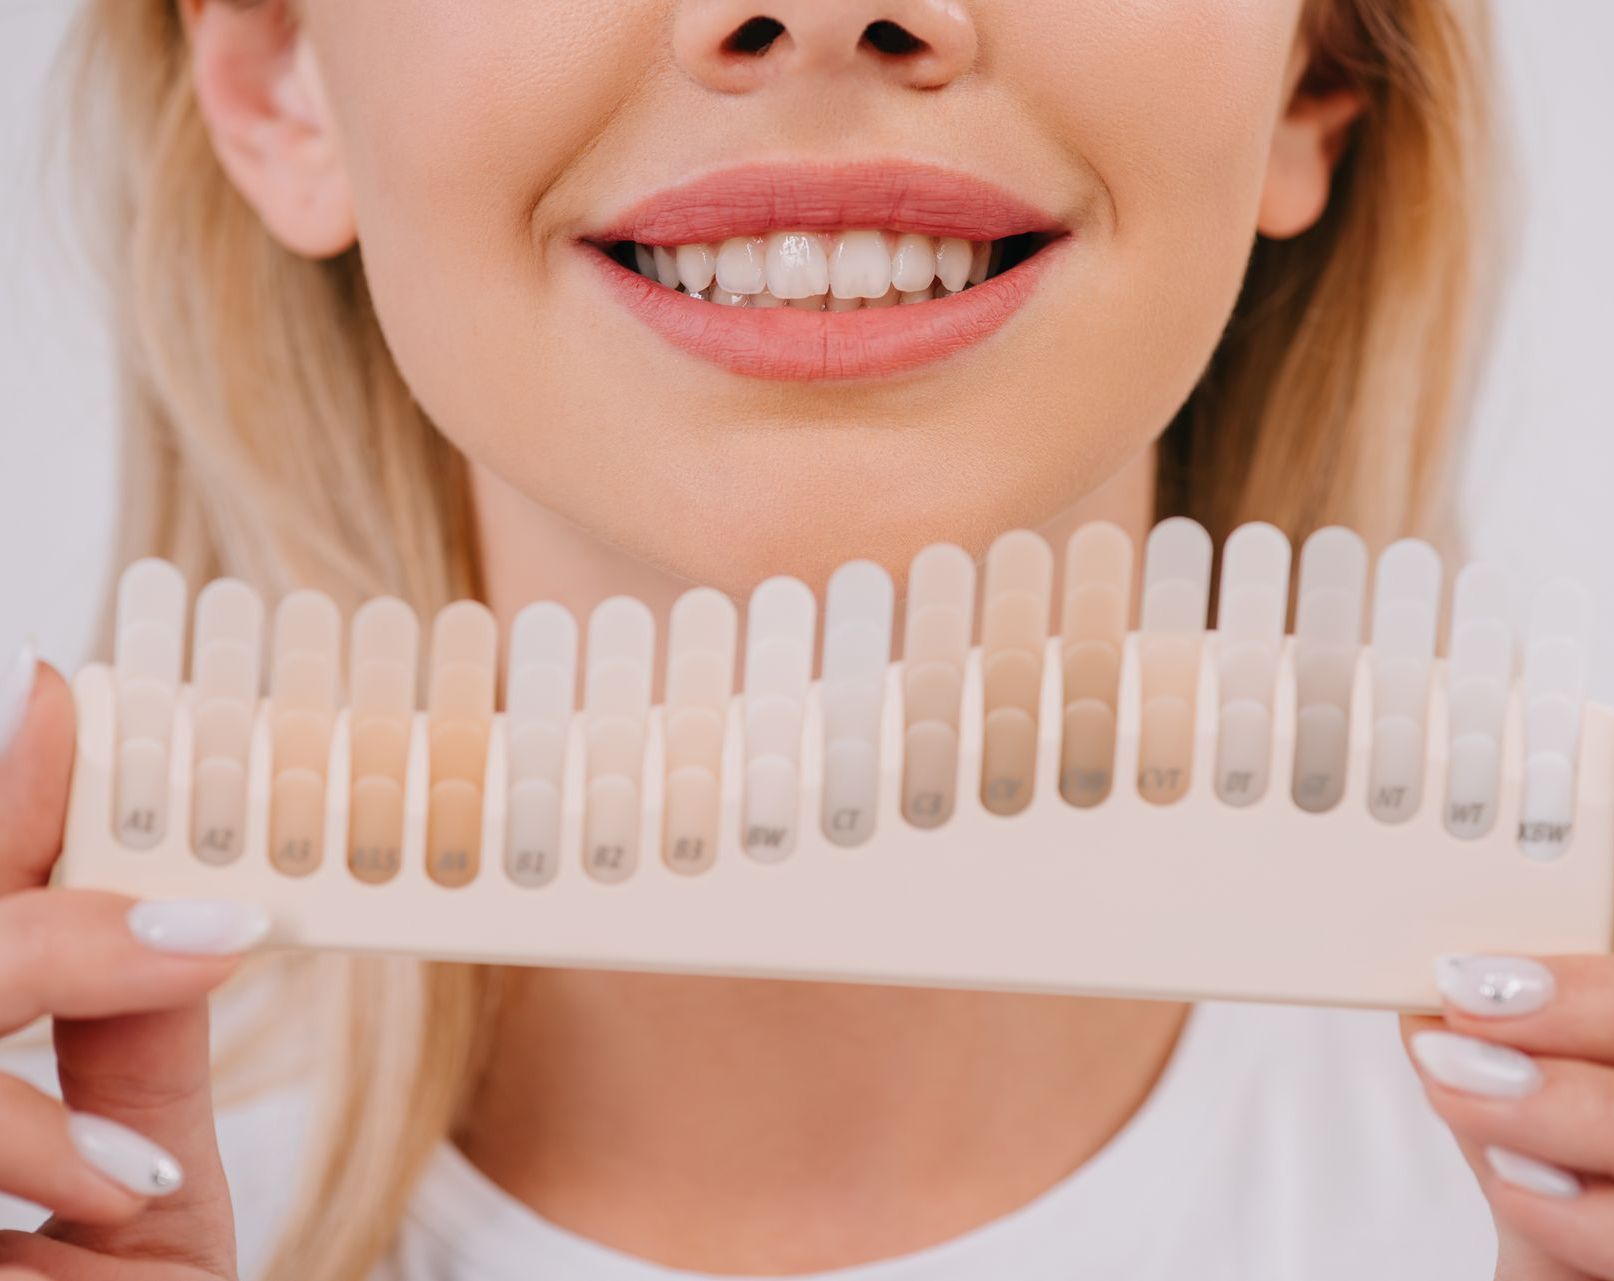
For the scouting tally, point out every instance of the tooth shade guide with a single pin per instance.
(1119, 868)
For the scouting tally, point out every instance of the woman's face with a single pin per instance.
(494, 152)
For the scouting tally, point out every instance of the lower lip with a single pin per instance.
(788, 344)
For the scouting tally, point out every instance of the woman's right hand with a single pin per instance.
(127, 1163)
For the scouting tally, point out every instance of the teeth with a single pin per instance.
(813, 271)
(697, 266)
(860, 267)
(980, 261)
(797, 265)
(913, 264)
(666, 267)
(953, 260)
(742, 266)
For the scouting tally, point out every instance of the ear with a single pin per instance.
(1306, 148)
(265, 108)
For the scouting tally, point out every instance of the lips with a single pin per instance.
(902, 200)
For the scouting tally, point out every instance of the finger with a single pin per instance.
(78, 1167)
(1561, 1005)
(1555, 1110)
(35, 769)
(150, 1073)
(1518, 1257)
(1572, 1236)
(85, 954)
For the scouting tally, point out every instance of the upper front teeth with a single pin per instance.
(810, 268)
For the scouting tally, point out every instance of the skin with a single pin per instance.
(467, 147)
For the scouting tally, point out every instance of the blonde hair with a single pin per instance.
(267, 434)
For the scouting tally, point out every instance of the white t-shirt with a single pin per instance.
(1279, 1145)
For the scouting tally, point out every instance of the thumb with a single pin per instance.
(151, 1073)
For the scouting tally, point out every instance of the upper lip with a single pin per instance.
(891, 195)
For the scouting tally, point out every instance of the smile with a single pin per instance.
(826, 273)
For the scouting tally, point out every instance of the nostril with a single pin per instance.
(893, 39)
(754, 36)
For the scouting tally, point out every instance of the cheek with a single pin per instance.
(458, 118)
(1172, 105)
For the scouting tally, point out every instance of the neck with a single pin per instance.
(737, 1126)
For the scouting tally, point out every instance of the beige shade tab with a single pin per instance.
(611, 828)
(1008, 760)
(146, 710)
(379, 748)
(227, 670)
(305, 681)
(929, 773)
(301, 740)
(375, 829)
(459, 750)
(465, 632)
(140, 799)
(691, 820)
(1098, 567)
(385, 630)
(1166, 748)
(461, 691)
(454, 832)
(222, 727)
(383, 688)
(308, 622)
(297, 821)
(932, 691)
(219, 810)
(228, 612)
(1087, 752)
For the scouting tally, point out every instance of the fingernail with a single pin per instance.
(16, 689)
(125, 1157)
(1494, 986)
(1476, 1067)
(198, 927)
(1532, 1175)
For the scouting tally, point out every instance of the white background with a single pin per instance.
(1538, 489)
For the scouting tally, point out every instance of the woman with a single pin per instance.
(393, 319)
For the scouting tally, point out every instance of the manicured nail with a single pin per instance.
(1532, 1175)
(198, 927)
(125, 1157)
(16, 689)
(1494, 986)
(1476, 1067)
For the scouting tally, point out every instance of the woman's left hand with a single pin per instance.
(1522, 1069)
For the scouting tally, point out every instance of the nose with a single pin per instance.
(737, 45)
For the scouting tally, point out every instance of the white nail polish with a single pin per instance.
(1532, 1175)
(16, 689)
(123, 1156)
(198, 927)
(1476, 1067)
(1494, 986)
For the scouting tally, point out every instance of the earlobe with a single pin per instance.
(261, 96)
(1306, 149)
